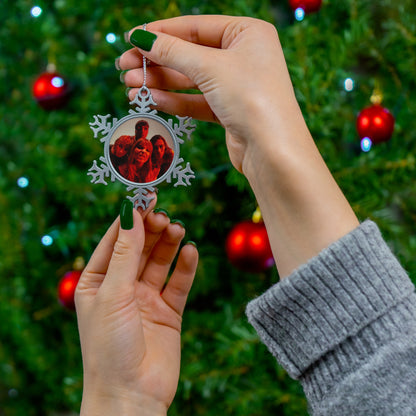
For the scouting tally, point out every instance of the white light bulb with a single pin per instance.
(349, 84)
(111, 37)
(36, 11)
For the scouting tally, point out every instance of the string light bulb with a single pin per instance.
(23, 182)
(111, 37)
(47, 240)
(36, 11)
(349, 84)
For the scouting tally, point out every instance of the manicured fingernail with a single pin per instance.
(143, 39)
(126, 36)
(127, 92)
(126, 215)
(122, 73)
(174, 221)
(117, 63)
(192, 243)
(161, 210)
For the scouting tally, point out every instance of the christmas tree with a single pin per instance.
(339, 57)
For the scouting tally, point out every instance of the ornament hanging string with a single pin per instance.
(144, 90)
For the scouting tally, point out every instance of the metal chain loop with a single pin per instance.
(144, 64)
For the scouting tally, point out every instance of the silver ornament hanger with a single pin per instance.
(141, 150)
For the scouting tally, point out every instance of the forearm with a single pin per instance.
(303, 208)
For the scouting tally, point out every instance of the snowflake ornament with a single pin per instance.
(141, 150)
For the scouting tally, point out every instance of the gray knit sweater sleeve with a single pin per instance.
(344, 324)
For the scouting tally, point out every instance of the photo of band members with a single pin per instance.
(139, 158)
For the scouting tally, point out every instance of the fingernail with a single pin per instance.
(117, 63)
(122, 73)
(127, 92)
(143, 39)
(126, 215)
(174, 221)
(126, 36)
(161, 210)
(192, 243)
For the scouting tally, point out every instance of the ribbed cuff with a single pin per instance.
(349, 287)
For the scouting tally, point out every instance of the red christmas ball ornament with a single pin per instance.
(376, 123)
(51, 91)
(66, 288)
(248, 247)
(308, 6)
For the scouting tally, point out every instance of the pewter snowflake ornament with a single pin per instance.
(141, 150)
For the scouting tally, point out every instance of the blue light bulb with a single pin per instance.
(366, 144)
(47, 240)
(299, 14)
(23, 182)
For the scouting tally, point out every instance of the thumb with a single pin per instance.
(125, 259)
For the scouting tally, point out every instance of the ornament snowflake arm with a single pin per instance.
(184, 175)
(99, 173)
(185, 126)
(101, 126)
(140, 197)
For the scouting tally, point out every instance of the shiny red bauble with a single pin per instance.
(376, 123)
(66, 288)
(308, 6)
(51, 91)
(248, 247)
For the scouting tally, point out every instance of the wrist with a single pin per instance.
(303, 208)
(120, 403)
(275, 139)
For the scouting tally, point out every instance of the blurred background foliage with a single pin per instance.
(225, 369)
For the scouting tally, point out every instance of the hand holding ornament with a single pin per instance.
(237, 63)
(129, 320)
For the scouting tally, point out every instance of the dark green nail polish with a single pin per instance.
(143, 39)
(127, 92)
(122, 73)
(126, 215)
(117, 63)
(192, 243)
(163, 211)
(174, 221)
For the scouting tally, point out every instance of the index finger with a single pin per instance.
(206, 30)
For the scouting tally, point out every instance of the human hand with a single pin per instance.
(129, 321)
(238, 65)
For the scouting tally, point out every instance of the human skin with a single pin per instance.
(303, 208)
(120, 148)
(140, 156)
(238, 65)
(141, 132)
(159, 149)
(129, 321)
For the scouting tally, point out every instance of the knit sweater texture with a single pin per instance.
(344, 324)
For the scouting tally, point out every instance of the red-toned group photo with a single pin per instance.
(141, 157)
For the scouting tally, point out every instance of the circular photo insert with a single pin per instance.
(141, 150)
